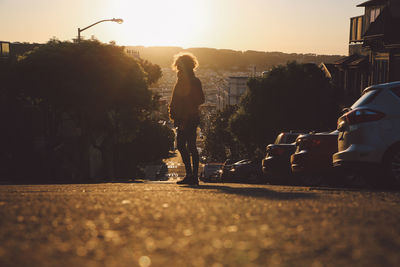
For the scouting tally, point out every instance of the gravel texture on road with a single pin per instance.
(163, 224)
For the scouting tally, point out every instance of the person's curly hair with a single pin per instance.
(185, 60)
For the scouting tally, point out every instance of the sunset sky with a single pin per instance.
(298, 26)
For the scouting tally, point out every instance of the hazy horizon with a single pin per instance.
(246, 50)
(288, 26)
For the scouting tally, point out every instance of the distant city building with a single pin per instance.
(237, 87)
(231, 94)
(133, 53)
(4, 49)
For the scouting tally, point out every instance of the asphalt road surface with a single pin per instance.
(164, 224)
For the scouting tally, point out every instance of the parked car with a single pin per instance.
(224, 172)
(276, 164)
(162, 172)
(247, 171)
(210, 172)
(312, 160)
(369, 137)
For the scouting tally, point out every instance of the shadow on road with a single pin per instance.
(71, 182)
(258, 192)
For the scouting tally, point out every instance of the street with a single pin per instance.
(163, 224)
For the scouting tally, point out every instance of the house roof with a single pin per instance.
(354, 61)
(328, 69)
(345, 60)
(373, 3)
(358, 62)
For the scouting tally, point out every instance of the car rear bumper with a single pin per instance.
(358, 153)
(305, 162)
(357, 167)
(272, 166)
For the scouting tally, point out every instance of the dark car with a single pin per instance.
(224, 171)
(247, 171)
(210, 172)
(313, 156)
(276, 164)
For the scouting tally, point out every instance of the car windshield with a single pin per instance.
(291, 138)
(366, 98)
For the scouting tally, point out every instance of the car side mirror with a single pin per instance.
(344, 110)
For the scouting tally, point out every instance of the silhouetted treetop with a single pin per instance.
(103, 94)
(292, 97)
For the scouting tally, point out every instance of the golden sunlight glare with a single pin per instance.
(158, 22)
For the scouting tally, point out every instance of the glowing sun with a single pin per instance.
(160, 22)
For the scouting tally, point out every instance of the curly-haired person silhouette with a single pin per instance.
(186, 98)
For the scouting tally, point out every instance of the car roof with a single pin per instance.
(291, 133)
(382, 86)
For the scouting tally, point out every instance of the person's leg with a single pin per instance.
(181, 140)
(191, 143)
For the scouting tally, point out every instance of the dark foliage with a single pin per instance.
(80, 98)
(153, 71)
(219, 142)
(291, 97)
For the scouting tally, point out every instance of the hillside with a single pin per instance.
(229, 59)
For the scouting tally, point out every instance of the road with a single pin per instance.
(164, 224)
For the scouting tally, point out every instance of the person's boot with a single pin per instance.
(186, 180)
(195, 180)
(189, 174)
(189, 180)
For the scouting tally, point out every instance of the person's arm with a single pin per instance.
(199, 93)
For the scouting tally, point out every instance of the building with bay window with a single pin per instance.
(374, 49)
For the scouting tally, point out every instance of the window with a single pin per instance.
(356, 29)
(374, 14)
(5, 49)
(291, 138)
(353, 32)
(359, 27)
(367, 97)
(396, 91)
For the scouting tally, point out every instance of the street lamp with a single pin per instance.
(119, 21)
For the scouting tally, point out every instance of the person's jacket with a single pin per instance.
(186, 98)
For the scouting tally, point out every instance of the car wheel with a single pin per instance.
(359, 180)
(313, 180)
(254, 178)
(392, 166)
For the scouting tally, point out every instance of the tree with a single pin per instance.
(153, 71)
(219, 143)
(15, 136)
(291, 97)
(97, 87)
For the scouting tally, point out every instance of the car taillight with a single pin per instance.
(307, 143)
(359, 116)
(276, 151)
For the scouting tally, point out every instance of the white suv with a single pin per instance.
(370, 134)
